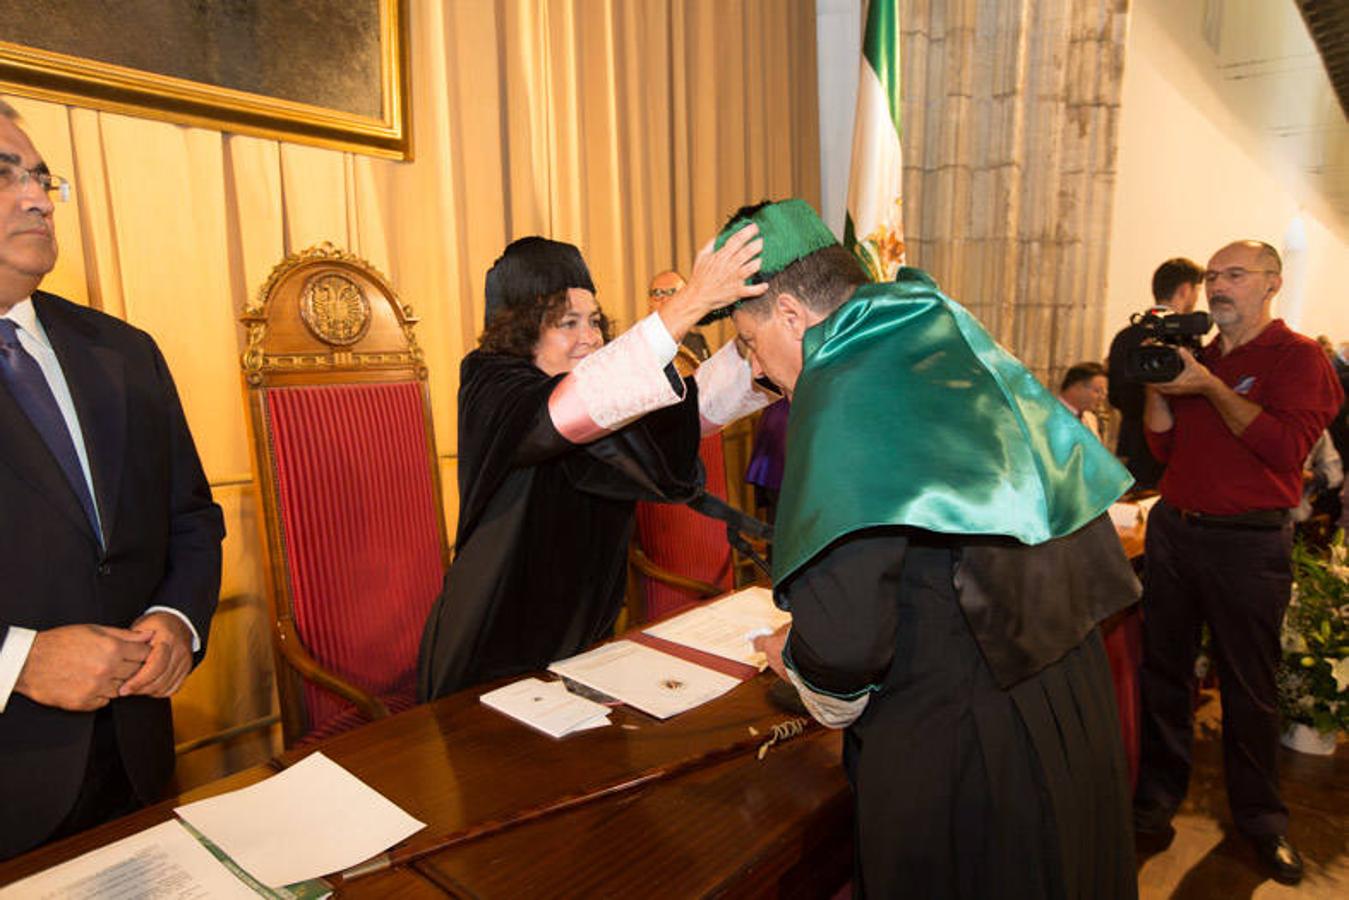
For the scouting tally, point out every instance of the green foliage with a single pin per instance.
(1314, 677)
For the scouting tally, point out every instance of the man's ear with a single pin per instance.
(794, 314)
(1187, 296)
(1276, 282)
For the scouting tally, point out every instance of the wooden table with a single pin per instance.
(717, 824)
(732, 826)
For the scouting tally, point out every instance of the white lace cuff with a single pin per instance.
(831, 712)
(726, 391)
(615, 385)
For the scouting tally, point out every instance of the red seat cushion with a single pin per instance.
(684, 542)
(360, 528)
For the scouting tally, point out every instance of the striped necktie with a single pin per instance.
(23, 376)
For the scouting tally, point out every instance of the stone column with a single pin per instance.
(1011, 110)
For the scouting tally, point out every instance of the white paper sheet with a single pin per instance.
(547, 706)
(656, 683)
(1147, 505)
(726, 627)
(313, 819)
(1125, 515)
(164, 862)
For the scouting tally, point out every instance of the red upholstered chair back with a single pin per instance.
(685, 543)
(346, 464)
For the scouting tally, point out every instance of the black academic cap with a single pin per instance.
(533, 267)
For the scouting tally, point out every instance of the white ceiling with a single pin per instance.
(1270, 73)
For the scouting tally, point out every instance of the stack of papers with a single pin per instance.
(547, 706)
(270, 839)
(656, 683)
(309, 820)
(163, 861)
(727, 627)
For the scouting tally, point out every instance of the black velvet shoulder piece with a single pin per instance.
(1029, 605)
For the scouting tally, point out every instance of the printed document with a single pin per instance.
(547, 706)
(726, 627)
(657, 683)
(164, 862)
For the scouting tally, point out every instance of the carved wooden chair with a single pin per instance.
(346, 466)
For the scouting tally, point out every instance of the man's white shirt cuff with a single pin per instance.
(13, 654)
(196, 639)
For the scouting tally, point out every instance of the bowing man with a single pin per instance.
(941, 545)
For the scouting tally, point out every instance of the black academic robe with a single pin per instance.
(544, 524)
(988, 761)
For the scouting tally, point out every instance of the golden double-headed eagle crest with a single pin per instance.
(335, 309)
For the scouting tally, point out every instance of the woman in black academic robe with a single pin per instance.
(554, 452)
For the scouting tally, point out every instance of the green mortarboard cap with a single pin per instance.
(790, 230)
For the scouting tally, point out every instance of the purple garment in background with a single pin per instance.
(770, 447)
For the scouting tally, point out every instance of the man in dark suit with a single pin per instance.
(1175, 289)
(111, 540)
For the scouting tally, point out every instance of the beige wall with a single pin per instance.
(631, 129)
(1206, 158)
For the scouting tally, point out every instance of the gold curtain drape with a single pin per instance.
(629, 128)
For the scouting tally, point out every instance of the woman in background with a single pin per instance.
(560, 432)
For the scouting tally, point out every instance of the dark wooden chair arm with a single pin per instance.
(293, 650)
(642, 563)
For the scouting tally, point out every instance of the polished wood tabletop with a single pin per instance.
(682, 807)
(679, 807)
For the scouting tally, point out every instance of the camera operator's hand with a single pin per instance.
(1156, 411)
(1235, 410)
(1195, 378)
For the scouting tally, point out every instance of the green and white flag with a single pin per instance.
(874, 227)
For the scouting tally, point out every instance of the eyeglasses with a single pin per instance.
(16, 178)
(1235, 275)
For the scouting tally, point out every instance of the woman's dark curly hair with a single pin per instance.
(526, 292)
(515, 329)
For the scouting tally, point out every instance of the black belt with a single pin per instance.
(1255, 520)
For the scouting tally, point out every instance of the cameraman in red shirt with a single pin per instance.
(1233, 429)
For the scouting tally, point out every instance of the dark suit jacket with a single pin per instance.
(163, 536)
(1127, 396)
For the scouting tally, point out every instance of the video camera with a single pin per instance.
(1158, 362)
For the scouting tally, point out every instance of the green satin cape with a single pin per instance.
(907, 412)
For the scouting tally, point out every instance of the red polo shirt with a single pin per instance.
(1211, 470)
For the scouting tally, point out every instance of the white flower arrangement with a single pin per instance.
(1314, 677)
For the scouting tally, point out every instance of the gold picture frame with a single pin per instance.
(49, 74)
